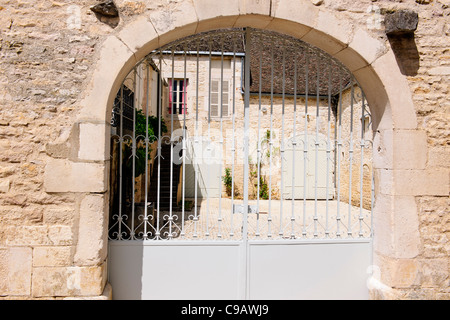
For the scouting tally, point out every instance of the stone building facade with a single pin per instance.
(62, 65)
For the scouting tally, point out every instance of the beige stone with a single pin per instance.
(174, 21)
(366, 46)
(15, 271)
(410, 149)
(68, 281)
(262, 7)
(377, 98)
(402, 273)
(140, 36)
(397, 89)
(302, 11)
(67, 176)
(401, 149)
(338, 28)
(92, 234)
(253, 21)
(4, 185)
(323, 41)
(93, 137)
(351, 59)
(52, 256)
(288, 27)
(115, 61)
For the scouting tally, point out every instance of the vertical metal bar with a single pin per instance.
(233, 149)
(339, 145)
(259, 154)
(305, 140)
(158, 194)
(209, 139)
(281, 230)
(269, 218)
(172, 111)
(145, 236)
(133, 154)
(184, 108)
(361, 172)
(248, 35)
(194, 160)
(219, 235)
(120, 163)
(294, 149)
(327, 227)
(316, 169)
(350, 153)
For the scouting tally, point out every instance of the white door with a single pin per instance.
(315, 169)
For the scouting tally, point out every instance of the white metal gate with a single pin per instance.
(240, 169)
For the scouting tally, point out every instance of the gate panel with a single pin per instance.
(182, 271)
(309, 270)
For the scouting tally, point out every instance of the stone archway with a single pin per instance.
(371, 61)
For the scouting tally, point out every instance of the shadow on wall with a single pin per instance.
(400, 27)
(406, 53)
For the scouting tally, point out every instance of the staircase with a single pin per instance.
(164, 198)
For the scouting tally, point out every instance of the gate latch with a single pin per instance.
(239, 208)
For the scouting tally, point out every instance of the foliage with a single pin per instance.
(140, 134)
(228, 181)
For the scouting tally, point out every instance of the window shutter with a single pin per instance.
(225, 99)
(214, 111)
(170, 96)
(183, 101)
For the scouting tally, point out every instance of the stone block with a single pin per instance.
(376, 97)
(288, 27)
(434, 272)
(401, 22)
(92, 234)
(351, 59)
(323, 41)
(140, 36)
(402, 273)
(68, 281)
(15, 271)
(253, 21)
(4, 185)
(206, 10)
(439, 71)
(115, 61)
(262, 7)
(336, 27)
(174, 21)
(52, 256)
(410, 149)
(398, 91)
(301, 11)
(216, 23)
(366, 46)
(93, 143)
(67, 176)
(427, 182)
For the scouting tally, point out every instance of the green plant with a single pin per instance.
(141, 134)
(228, 181)
(263, 188)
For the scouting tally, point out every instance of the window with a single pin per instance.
(177, 96)
(219, 107)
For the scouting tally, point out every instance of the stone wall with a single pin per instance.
(53, 133)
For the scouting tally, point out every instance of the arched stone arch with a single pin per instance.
(371, 61)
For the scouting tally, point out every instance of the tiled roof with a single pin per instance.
(315, 68)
